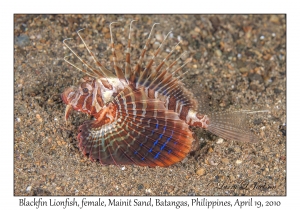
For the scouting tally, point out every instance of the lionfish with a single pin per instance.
(142, 115)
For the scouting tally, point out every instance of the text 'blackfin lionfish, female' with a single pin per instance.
(142, 114)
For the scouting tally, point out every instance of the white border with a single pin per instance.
(117, 6)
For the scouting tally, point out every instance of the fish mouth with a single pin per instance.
(65, 96)
(66, 93)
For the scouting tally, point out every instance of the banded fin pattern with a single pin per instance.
(143, 133)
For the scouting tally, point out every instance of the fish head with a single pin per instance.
(84, 97)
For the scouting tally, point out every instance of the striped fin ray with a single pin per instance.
(105, 71)
(128, 70)
(102, 72)
(117, 68)
(144, 133)
(146, 72)
(166, 84)
(137, 69)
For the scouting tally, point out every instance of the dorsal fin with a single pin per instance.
(128, 71)
(90, 72)
(144, 75)
(138, 66)
(102, 72)
(117, 68)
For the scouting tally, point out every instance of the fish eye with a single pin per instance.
(85, 90)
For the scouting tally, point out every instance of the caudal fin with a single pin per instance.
(232, 125)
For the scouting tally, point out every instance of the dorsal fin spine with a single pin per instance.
(118, 70)
(128, 71)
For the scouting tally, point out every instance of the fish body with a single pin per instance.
(142, 115)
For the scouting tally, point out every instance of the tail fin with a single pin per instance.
(232, 125)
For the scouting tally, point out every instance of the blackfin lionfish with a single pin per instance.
(142, 114)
